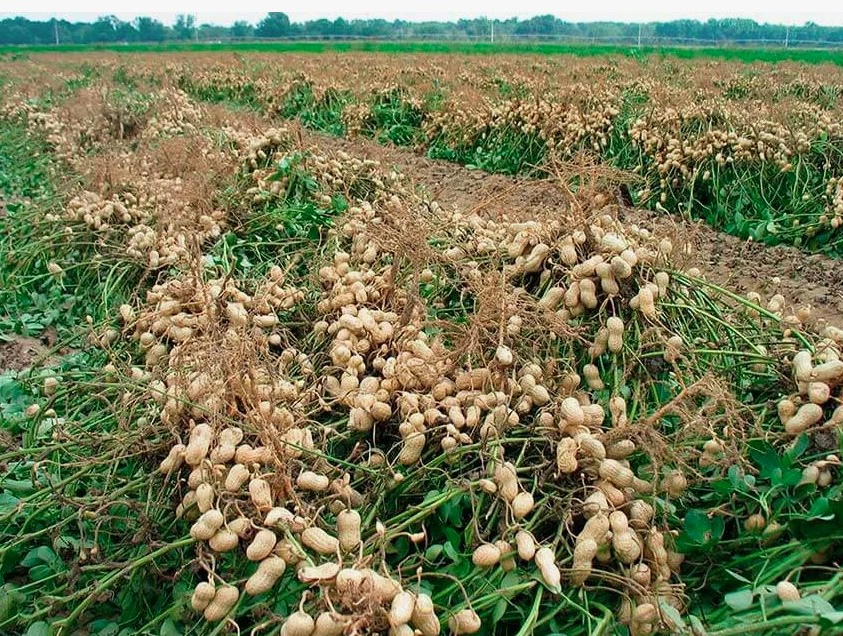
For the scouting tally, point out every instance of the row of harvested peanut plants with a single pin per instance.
(311, 401)
(754, 150)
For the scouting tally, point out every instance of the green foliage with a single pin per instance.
(32, 298)
(24, 166)
(738, 54)
(88, 73)
(323, 113)
(295, 221)
(127, 110)
(505, 150)
(243, 93)
(751, 200)
(67, 541)
(395, 119)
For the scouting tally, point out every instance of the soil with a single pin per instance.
(725, 260)
(19, 353)
(744, 266)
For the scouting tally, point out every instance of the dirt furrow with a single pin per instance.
(742, 266)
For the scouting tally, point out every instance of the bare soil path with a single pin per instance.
(725, 260)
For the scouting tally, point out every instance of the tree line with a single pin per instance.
(109, 29)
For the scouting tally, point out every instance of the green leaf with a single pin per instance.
(697, 626)
(737, 479)
(169, 628)
(673, 615)
(433, 552)
(10, 599)
(740, 600)
(702, 530)
(510, 579)
(462, 569)
(739, 577)
(451, 552)
(696, 525)
(768, 459)
(813, 605)
(833, 617)
(454, 538)
(41, 628)
(105, 628)
(802, 443)
(789, 477)
(451, 511)
(8, 502)
(65, 542)
(40, 572)
(499, 611)
(41, 554)
(401, 547)
(820, 509)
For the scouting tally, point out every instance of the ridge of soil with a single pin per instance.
(725, 260)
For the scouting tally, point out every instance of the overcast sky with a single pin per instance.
(827, 12)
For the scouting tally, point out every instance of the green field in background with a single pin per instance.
(812, 56)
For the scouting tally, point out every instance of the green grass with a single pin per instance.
(810, 56)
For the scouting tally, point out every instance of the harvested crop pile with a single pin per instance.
(352, 411)
(554, 374)
(753, 151)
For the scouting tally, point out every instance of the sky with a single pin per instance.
(826, 12)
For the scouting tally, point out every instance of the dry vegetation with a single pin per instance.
(754, 150)
(305, 399)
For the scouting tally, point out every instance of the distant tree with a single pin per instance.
(320, 27)
(275, 25)
(103, 30)
(539, 25)
(375, 28)
(212, 32)
(16, 31)
(150, 30)
(242, 29)
(125, 32)
(110, 29)
(185, 27)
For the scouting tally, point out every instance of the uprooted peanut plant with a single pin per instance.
(312, 401)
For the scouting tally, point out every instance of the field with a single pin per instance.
(747, 54)
(364, 343)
